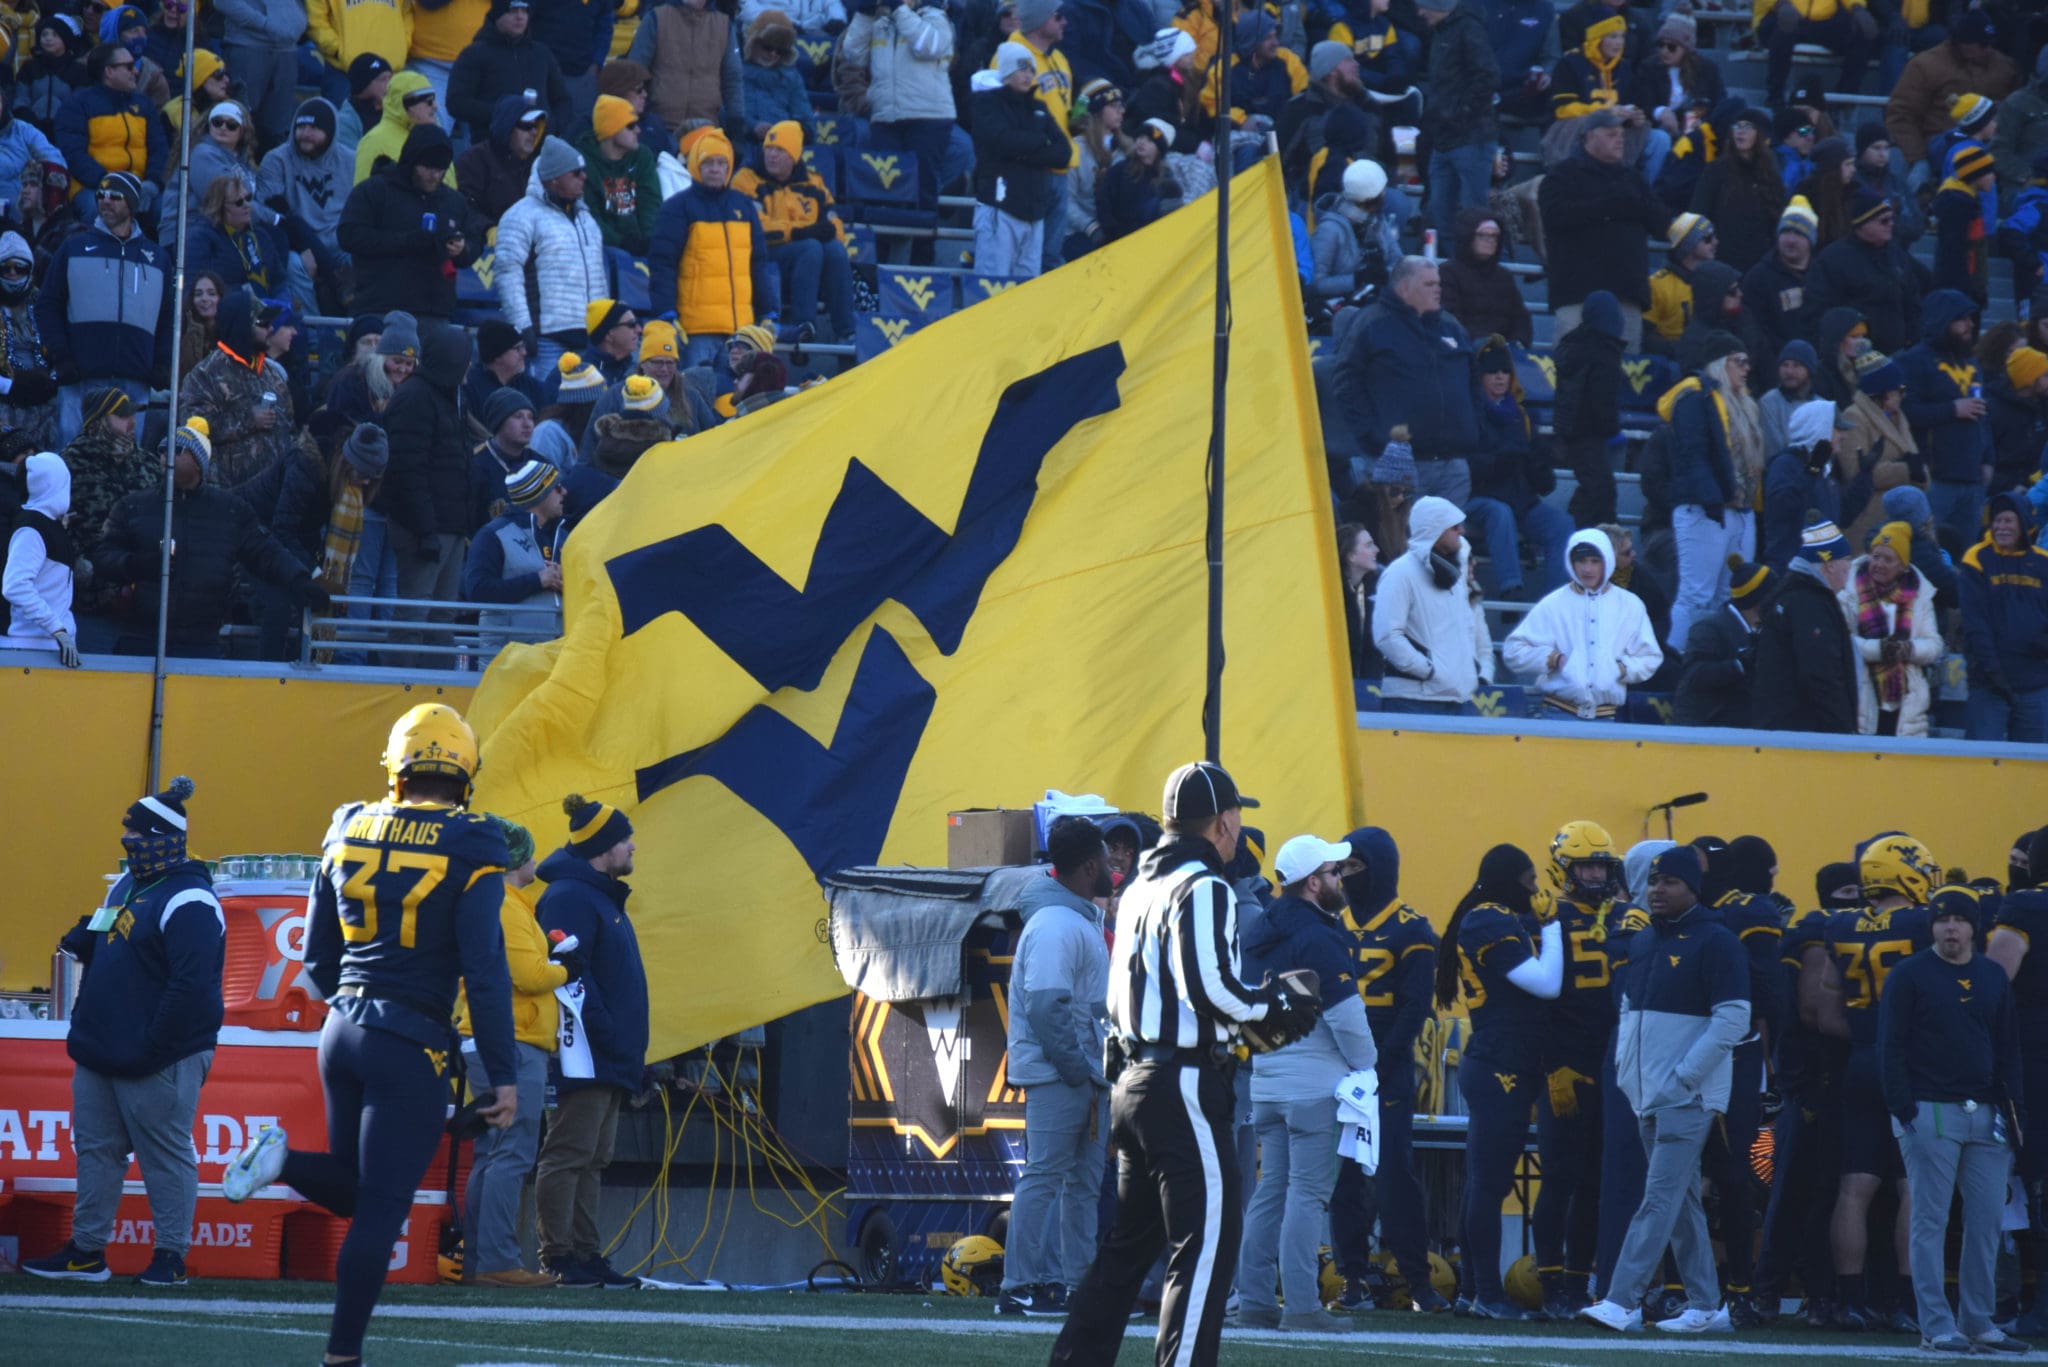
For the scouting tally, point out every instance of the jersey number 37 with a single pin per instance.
(383, 882)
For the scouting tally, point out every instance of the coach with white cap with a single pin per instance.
(1294, 1101)
(1178, 1002)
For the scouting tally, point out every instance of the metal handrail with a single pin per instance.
(468, 642)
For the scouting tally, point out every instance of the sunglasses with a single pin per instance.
(241, 203)
(121, 66)
(1804, 130)
(422, 97)
(105, 195)
(223, 121)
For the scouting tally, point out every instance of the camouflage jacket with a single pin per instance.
(227, 394)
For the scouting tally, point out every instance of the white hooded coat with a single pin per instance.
(1603, 634)
(1425, 632)
(37, 588)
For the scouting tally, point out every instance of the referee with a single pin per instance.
(1176, 1003)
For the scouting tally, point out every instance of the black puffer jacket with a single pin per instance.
(1885, 284)
(495, 66)
(400, 263)
(1017, 147)
(1598, 220)
(426, 486)
(1805, 663)
(1463, 76)
(290, 499)
(215, 532)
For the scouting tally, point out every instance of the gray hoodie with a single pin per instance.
(1059, 989)
(313, 188)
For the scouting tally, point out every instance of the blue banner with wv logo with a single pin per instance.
(965, 572)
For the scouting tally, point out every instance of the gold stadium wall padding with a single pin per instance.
(273, 759)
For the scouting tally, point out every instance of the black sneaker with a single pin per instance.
(1029, 1300)
(1462, 1307)
(1355, 1298)
(1743, 1310)
(1819, 1312)
(1852, 1319)
(1902, 1321)
(70, 1264)
(1427, 1301)
(1498, 1310)
(165, 1269)
(609, 1277)
(570, 1272)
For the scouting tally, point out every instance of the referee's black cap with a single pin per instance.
(1198, 791)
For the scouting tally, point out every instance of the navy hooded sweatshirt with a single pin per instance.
(1956, 449)
(1396, 947)
(592, 906)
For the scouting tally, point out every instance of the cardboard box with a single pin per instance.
(986, 836)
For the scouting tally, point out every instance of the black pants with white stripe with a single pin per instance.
(1178, 1188)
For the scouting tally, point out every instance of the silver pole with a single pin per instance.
(163, 596)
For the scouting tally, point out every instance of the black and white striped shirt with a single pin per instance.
(1175, 979)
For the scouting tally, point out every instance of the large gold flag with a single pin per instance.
(967, 571)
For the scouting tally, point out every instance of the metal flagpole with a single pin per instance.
(163, 596)
(1226, 165)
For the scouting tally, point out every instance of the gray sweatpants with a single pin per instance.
(1289, 1217)
(1671, 1213)
(1055, 1209)
(1946, 1148)
(151, 1117)
(504, 1160)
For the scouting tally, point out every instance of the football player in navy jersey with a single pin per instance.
(1397, 955)
(1864, 944)
(405, 908)
(2023, 919)
(1806, 1136)
(1743, 874)
(1585, 873)
(1507, 982)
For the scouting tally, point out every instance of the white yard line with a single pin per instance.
(1721, 1345)
(171, 1320)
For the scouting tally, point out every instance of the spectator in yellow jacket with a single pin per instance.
(504, 1157)
(343, 30)
(806, 243)
(408, 100)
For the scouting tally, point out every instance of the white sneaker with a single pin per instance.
(1608, 1315)
(256, 1166)
(1693, 1321)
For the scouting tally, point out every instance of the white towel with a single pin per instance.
(1358, 1119)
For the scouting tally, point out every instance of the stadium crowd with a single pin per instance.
(1715, 282)
(1739, 1096)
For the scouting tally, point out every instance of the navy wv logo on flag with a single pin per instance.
(834, 803)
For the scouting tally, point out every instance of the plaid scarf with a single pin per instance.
(1872, 625)
(344, 533)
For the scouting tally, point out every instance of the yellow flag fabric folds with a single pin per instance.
(968, 571)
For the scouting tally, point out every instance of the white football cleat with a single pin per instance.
(256, 1166)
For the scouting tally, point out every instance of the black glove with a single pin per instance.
(429, 550)
(531, 337)
(1907, 1113)
(835, 27)
(318, 596)
(575, 964)
(32, 388)
(1715, 513)
(863, 6)
(1817, 459)
(66, 372)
